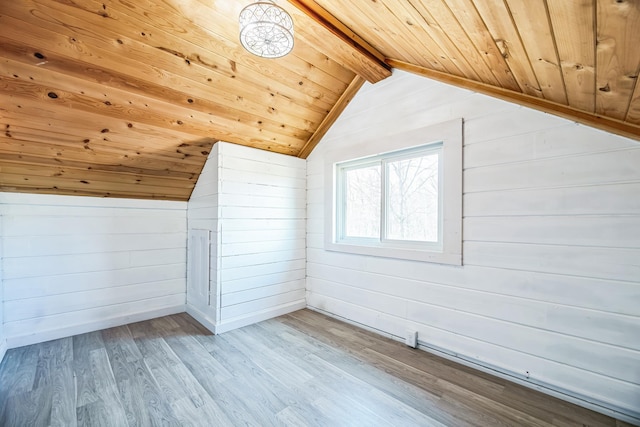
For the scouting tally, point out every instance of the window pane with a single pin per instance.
(412, 200)
(362, 202)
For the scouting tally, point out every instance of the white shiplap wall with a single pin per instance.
(550, 286)
(77, 264)
(202, 214)
(262, 235)
(254, 203)
(3, 338)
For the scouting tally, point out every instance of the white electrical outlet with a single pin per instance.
(412, 339)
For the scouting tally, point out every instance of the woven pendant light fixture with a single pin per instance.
(266, 29)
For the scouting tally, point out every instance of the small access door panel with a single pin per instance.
(198, 260)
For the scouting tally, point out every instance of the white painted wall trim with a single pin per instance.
(549, 389)
(449, 133)
(3, 340)
(53, 334)
(3, 349)
(259, 316)
(202, 318)
(85, 202)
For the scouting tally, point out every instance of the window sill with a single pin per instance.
(424, 255)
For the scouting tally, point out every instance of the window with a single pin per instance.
(390, 198)
(405, 203)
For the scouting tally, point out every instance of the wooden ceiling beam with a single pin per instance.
(333, 115)
(360, 57)
(570, 113)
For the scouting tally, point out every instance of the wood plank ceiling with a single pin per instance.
(125, 98)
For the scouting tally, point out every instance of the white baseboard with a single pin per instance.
(53, 334)
(3, 349)
(270, 313)
(549, 389)
(202, 318)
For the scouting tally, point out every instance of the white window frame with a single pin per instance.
(448, 249)
(382, 160)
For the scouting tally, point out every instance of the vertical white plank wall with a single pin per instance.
(77, 264)
(254, 203)
(549, 292)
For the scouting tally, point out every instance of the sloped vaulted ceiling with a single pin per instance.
(125, 98)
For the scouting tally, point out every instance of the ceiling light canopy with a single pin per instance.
(266, 29)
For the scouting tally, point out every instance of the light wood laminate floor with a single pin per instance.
(302, 369)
